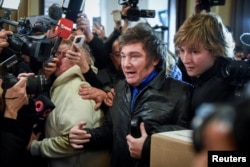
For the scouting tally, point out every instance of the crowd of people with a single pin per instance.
(114, 92)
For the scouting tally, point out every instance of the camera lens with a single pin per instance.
(36, 84)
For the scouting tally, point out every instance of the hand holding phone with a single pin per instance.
(117, 15)
(135, 126)
(79, 40)
(97, 20)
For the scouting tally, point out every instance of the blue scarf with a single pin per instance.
(136, 90)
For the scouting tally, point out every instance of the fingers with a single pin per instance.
(76, 48)
(3, 44)
(21, 83)
(108, 101)
(88, 92)
(4, 37)
(74, 56)
(78, 136)
(97, 106)
(85, 90)
(142, 129)
(76, 146)
(82, 22)
(25, 75)
(109, 98)
(82, 15)
(4, 34)
(78, 141)
(112, 91)
(81, 124)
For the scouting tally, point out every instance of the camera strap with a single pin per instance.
(6, 98)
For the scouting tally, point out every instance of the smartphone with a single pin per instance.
(79, 40)
(96, 20)
(135, 126)
(117, 16)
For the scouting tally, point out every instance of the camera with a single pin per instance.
(135, 126)
(43, 107)
(238, 70)
(133, 14)
(207, 4)
(35, 84)
(24, 42)
(20, 44)
(235, 72)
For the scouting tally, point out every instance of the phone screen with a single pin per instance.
(97, 20)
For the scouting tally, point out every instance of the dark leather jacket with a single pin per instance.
(164, 105)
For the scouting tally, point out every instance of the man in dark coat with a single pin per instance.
(146, 102)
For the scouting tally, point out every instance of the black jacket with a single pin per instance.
(109, 76)
(212, 86)
(164, 105)
(14, 138)
(99, 52)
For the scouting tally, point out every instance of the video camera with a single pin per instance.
(237, 72)
(207, 4)
(28, 44)
(36, 48)
(133, 14)
(19, 44)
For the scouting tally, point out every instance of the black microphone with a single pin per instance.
(43, 107)
(55, 11)
(245, 39)
(72, 8)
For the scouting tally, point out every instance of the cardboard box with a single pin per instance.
(172, 149)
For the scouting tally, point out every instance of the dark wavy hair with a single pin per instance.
(153, 46)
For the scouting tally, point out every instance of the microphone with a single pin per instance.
(245, 39)
(64, 28)
(42, 24)
(72, 8)
(44, 106)
(55, 11)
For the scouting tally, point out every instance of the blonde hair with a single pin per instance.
(203, 29)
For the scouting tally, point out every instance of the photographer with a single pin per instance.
(12, 131)
(18, 113)
(202, 49)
